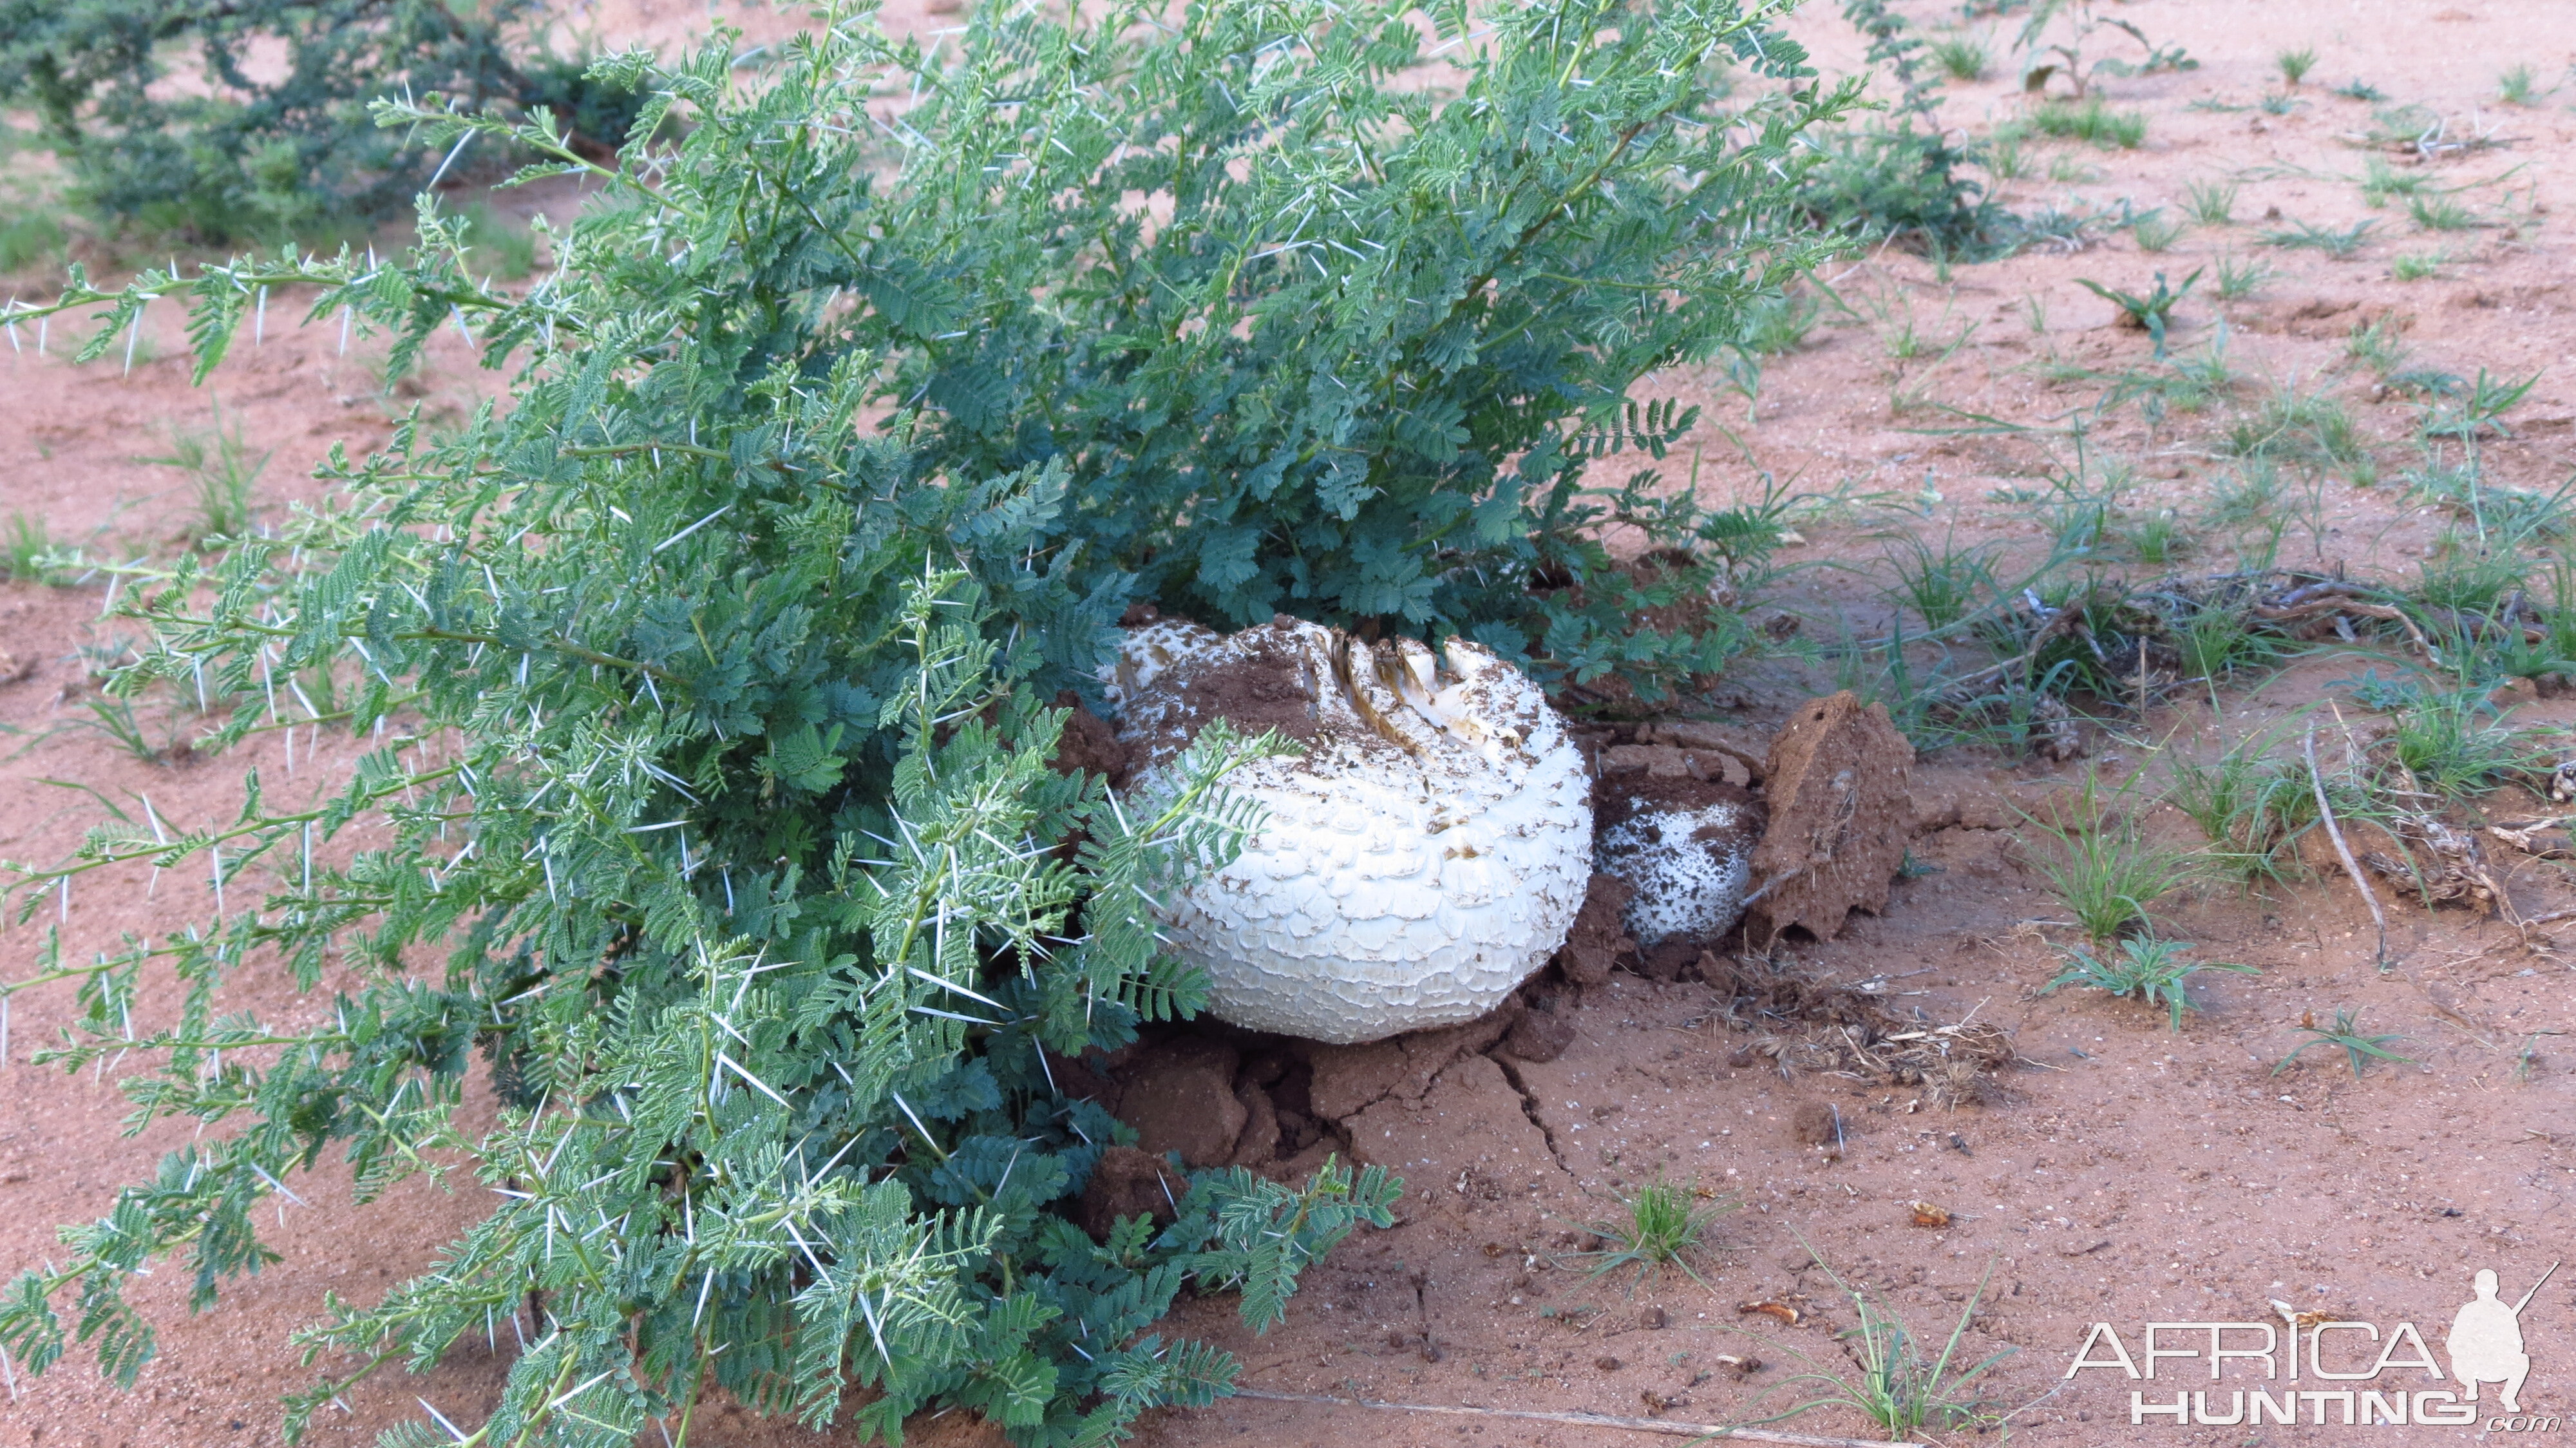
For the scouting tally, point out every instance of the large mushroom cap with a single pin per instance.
(1422, 858)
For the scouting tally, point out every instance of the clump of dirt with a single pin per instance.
(1598, 940)
(1089, 745)
(1127, 1181)
(1840, 819)
(1815, 1123)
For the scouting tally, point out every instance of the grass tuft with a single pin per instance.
(2092, 122)
(1897, 1387)
(1662, 1226)
(2105, 873)
(2238, 278)
(1962, 57)
(2295, 64)
(2211, 203)
(2337, 244)
(224, 475)
(2154, 971)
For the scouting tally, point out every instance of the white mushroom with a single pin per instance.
(1686, 850)
(1421, 859)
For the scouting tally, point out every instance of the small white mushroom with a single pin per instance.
(1422, 858)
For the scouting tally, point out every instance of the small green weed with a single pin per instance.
(2295, 64)
(218, 462)
(2158, 539)
(2105, 872)
(2446, 743)
(2277, 103)
(2345, 1034)
(2253, 807)
(2310, 427)
(2379, 344)
(1944, 585)
(1780, 323)
(1897, 1388)
(2380, 180)
(2337, 244)
(2155, 231)
(2482, 409)
(1662, 1227)
(2067, 170)
(115, 718)
(2361, 90)
(2154, 971)
(2004, 158)
(1962, 57)
(2517, 514)
(2092, 122)
(2440, 213)
(2416, 266)
(25, 545)
(2519, 86)
(2216, 642)
(2380, 696)
(2150, 313)
(2211, 203)
(2239, 278)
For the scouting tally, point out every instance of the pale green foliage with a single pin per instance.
(1891, 1381)
(709, 681)
(2152, 970)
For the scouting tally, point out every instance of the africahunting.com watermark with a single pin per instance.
(2364, 1376)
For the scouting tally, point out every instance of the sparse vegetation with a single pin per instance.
(2478, 410)
(2337, 244)
(2092, 122)
(2295, 64)
(2253, 806)
(1659, 1227)
(2440, 213)
(2519, 85)
(2344, 1035)
(2211, 203)
(1963, 57)
(2104, 870)
(2156, 232)
(2378, 344)
(223, 478)
(2446, 745)
(2380, 180)
(2152, 970)
(2417, 266)
(2238, 278)
(2151, 313)
(1942, 585)
(1896, 1386)
(25, 545)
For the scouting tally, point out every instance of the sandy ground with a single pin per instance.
(2122, 1173)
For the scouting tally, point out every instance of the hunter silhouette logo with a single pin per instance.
(2362, 1376)
(2486, 1340)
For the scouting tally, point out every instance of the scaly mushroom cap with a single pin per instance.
(1422, 859)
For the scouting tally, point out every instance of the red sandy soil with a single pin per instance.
(2123, 1173)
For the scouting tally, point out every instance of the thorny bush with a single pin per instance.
(709, 679)
(250, 119)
